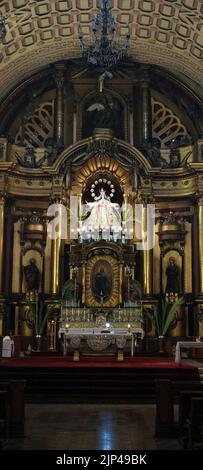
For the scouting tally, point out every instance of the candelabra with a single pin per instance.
(106, 50)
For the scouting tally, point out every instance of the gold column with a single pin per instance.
(147, 260)
(55, 266)
(55, 259)
(2, 204)
(121, 283)
(2, 304)
(59, 103)
(83, 283)
(200, 228)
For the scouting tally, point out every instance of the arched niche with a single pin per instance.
(106, 110)
(101, 169)
(100, 152)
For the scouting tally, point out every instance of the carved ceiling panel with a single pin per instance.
(169, 33)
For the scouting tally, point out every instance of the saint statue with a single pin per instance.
(68, 291)
(133, 291)
(104, 113)
(72, 291)
(101, 214)
(32, 276)
(174, 158)
(173, 277)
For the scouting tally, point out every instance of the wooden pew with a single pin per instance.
(16, 402)
(185, 399)
(165, 425)
(167, 394)
(4, 415)
(195, 434)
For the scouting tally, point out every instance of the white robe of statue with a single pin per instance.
(7, 347)
(104, 214)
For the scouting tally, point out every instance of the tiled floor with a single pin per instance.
(89, 427)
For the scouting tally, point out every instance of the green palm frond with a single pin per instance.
(47, 315)
(40, 315)
(163, 315)
(171, 314)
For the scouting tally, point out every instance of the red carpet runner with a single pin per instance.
(58, 361)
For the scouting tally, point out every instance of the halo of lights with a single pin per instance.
(100, 181)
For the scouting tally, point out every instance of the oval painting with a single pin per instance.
(102, 280)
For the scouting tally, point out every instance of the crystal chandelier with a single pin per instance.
(2, 26)
(106, 50)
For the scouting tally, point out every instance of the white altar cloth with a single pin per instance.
(119, 336)
(188, 345)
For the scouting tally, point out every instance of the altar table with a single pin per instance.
(98, 340)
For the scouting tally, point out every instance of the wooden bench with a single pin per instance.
(167, 394)
(4, 415)
(186, 398)
(15, 390)
(195, 424)
(164, 425)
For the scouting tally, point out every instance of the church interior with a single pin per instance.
(101, 224)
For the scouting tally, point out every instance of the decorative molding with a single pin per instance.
(167, 126)
(38, 33)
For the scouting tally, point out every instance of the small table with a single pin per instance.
(188, 345)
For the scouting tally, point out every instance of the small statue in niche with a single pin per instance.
(29, 159)
(173, 277)
(174, 158)
(1, 151)
(32, 276)
(72, 292)
(105, 113)
(68, 291)
(52, 149)
(133, 291)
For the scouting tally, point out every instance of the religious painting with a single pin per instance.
(101, 280)
(102, 287)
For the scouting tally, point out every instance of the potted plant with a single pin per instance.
(162, 317)
(41, 315)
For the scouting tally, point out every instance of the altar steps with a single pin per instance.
(96, 384)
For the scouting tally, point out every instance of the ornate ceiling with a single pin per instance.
(167, 33)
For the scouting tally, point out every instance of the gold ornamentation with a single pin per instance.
(114, 298)
(166, 124)
(39, 126)
(162, 32)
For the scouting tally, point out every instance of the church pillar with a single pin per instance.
(55, 266)
(147, 260)
(142, 113)
(59, 104)
(146, 112)
(2, 304)
(200, 230)
(2, 210)
(56, 246)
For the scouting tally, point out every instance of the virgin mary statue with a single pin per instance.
(101, 214)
